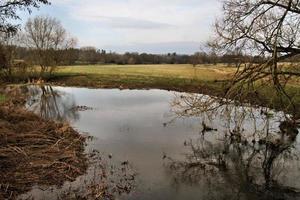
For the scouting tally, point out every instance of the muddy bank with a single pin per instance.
(34, 151)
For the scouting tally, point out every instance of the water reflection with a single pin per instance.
(103, 180)
(254, 154)
(230, 152)
(52, 104)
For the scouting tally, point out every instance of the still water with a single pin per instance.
(174, 156)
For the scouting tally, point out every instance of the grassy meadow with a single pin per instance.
(201, 72)
(174, 77)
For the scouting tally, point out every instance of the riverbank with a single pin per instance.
(45, 155)
(35, 151)
(204, 79)
(184, 78)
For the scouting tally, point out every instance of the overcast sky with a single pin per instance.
(152, 26)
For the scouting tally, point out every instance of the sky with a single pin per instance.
(150, 26)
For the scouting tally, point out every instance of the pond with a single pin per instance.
(177, 150)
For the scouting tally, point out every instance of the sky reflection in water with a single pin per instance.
(133, 125)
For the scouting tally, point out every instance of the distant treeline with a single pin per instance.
(91, 55)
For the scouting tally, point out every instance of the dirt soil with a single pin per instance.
(34, 151)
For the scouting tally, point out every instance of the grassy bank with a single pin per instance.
(206, 79)
(172, 77)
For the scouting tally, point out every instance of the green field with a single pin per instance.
(202, 72)
(174, 77)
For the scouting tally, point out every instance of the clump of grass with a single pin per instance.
(2, 98)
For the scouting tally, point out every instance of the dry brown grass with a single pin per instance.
(34, 151)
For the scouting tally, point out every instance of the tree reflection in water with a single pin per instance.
(252, 155)
(52, 104)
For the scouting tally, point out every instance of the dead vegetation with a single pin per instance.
(34, 151)
(105, 180)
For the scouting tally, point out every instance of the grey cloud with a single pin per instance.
(131, 23)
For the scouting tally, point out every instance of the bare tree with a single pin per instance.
(7, 50)
(46, 36)
(8, 12)
(269, 28)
